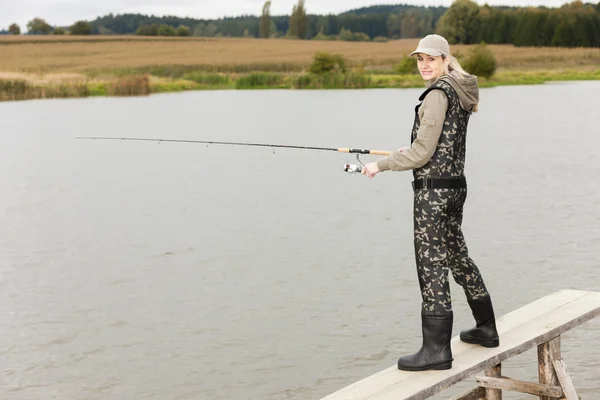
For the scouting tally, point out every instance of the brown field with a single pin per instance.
(69, 56)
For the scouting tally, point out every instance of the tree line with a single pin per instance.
(574, 24)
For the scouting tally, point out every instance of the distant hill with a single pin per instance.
(373, 21)
(388, 9)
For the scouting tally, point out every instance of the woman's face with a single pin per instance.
(431, 67)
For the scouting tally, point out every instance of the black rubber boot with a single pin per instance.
(435, 354)
(485, 332)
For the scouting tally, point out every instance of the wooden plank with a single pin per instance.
(520, 331)
(547, 353)
(565, 380)
(536, 389)
(493, 393)
(477, 393)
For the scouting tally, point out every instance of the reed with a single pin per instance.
(24, 90)
(261, 80)
(333, 81)
(207, 79)
(135, 85)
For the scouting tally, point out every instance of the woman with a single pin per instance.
(437, 158)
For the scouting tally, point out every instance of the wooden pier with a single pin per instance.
(538, 324)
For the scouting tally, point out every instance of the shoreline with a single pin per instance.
(16, 86)
(38, 68)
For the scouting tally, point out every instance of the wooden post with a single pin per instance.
(565, 380)
(494, 394)
(547, 353)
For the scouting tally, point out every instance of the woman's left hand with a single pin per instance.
(370, 169)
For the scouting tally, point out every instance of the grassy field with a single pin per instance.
(65, 66)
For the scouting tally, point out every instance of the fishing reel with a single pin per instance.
(354, 168)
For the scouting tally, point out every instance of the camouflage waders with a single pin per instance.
(439, 243)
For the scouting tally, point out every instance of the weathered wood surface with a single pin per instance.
(477, 393)
(490, 392)
(519, 330)
(565, 380)
(536, 389)
(547, 353)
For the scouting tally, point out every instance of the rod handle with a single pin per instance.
(364, 151)
(380, 152)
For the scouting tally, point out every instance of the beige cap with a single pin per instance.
(433, 45)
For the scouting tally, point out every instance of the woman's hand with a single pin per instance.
(370, 169)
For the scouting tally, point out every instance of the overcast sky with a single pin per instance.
(65, 12)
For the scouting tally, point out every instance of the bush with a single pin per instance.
(147, 30)
(324, 63)
(408, 66)
(320, 36)
(81, 28)
(481, 61)
(361, 37)
(183, 30)
(380, 39)
(59, 31)
(166, 30)
(348, 36)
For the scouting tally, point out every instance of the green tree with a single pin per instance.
(81, 28)
(460, 23)
(38, 26)
(293, 25)
(206, 30)
(199, 29)
(273, 29)
(394, 26)
(147, 30)
(507, 20)
(166, 30)
(14, 29)
(487, 24)
(410, 24)
(322, 25)
(265, 21)
(59, 31)
(104, 31)
(183, 30)
(298, 21)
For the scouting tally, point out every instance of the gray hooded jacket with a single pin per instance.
(432, 114)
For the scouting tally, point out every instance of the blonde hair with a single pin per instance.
(454, 65)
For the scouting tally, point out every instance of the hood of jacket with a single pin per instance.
(466, 87)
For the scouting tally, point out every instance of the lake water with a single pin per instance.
(138, 270)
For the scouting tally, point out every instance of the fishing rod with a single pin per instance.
(350, 168)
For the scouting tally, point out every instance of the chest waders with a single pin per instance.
(440, 192)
